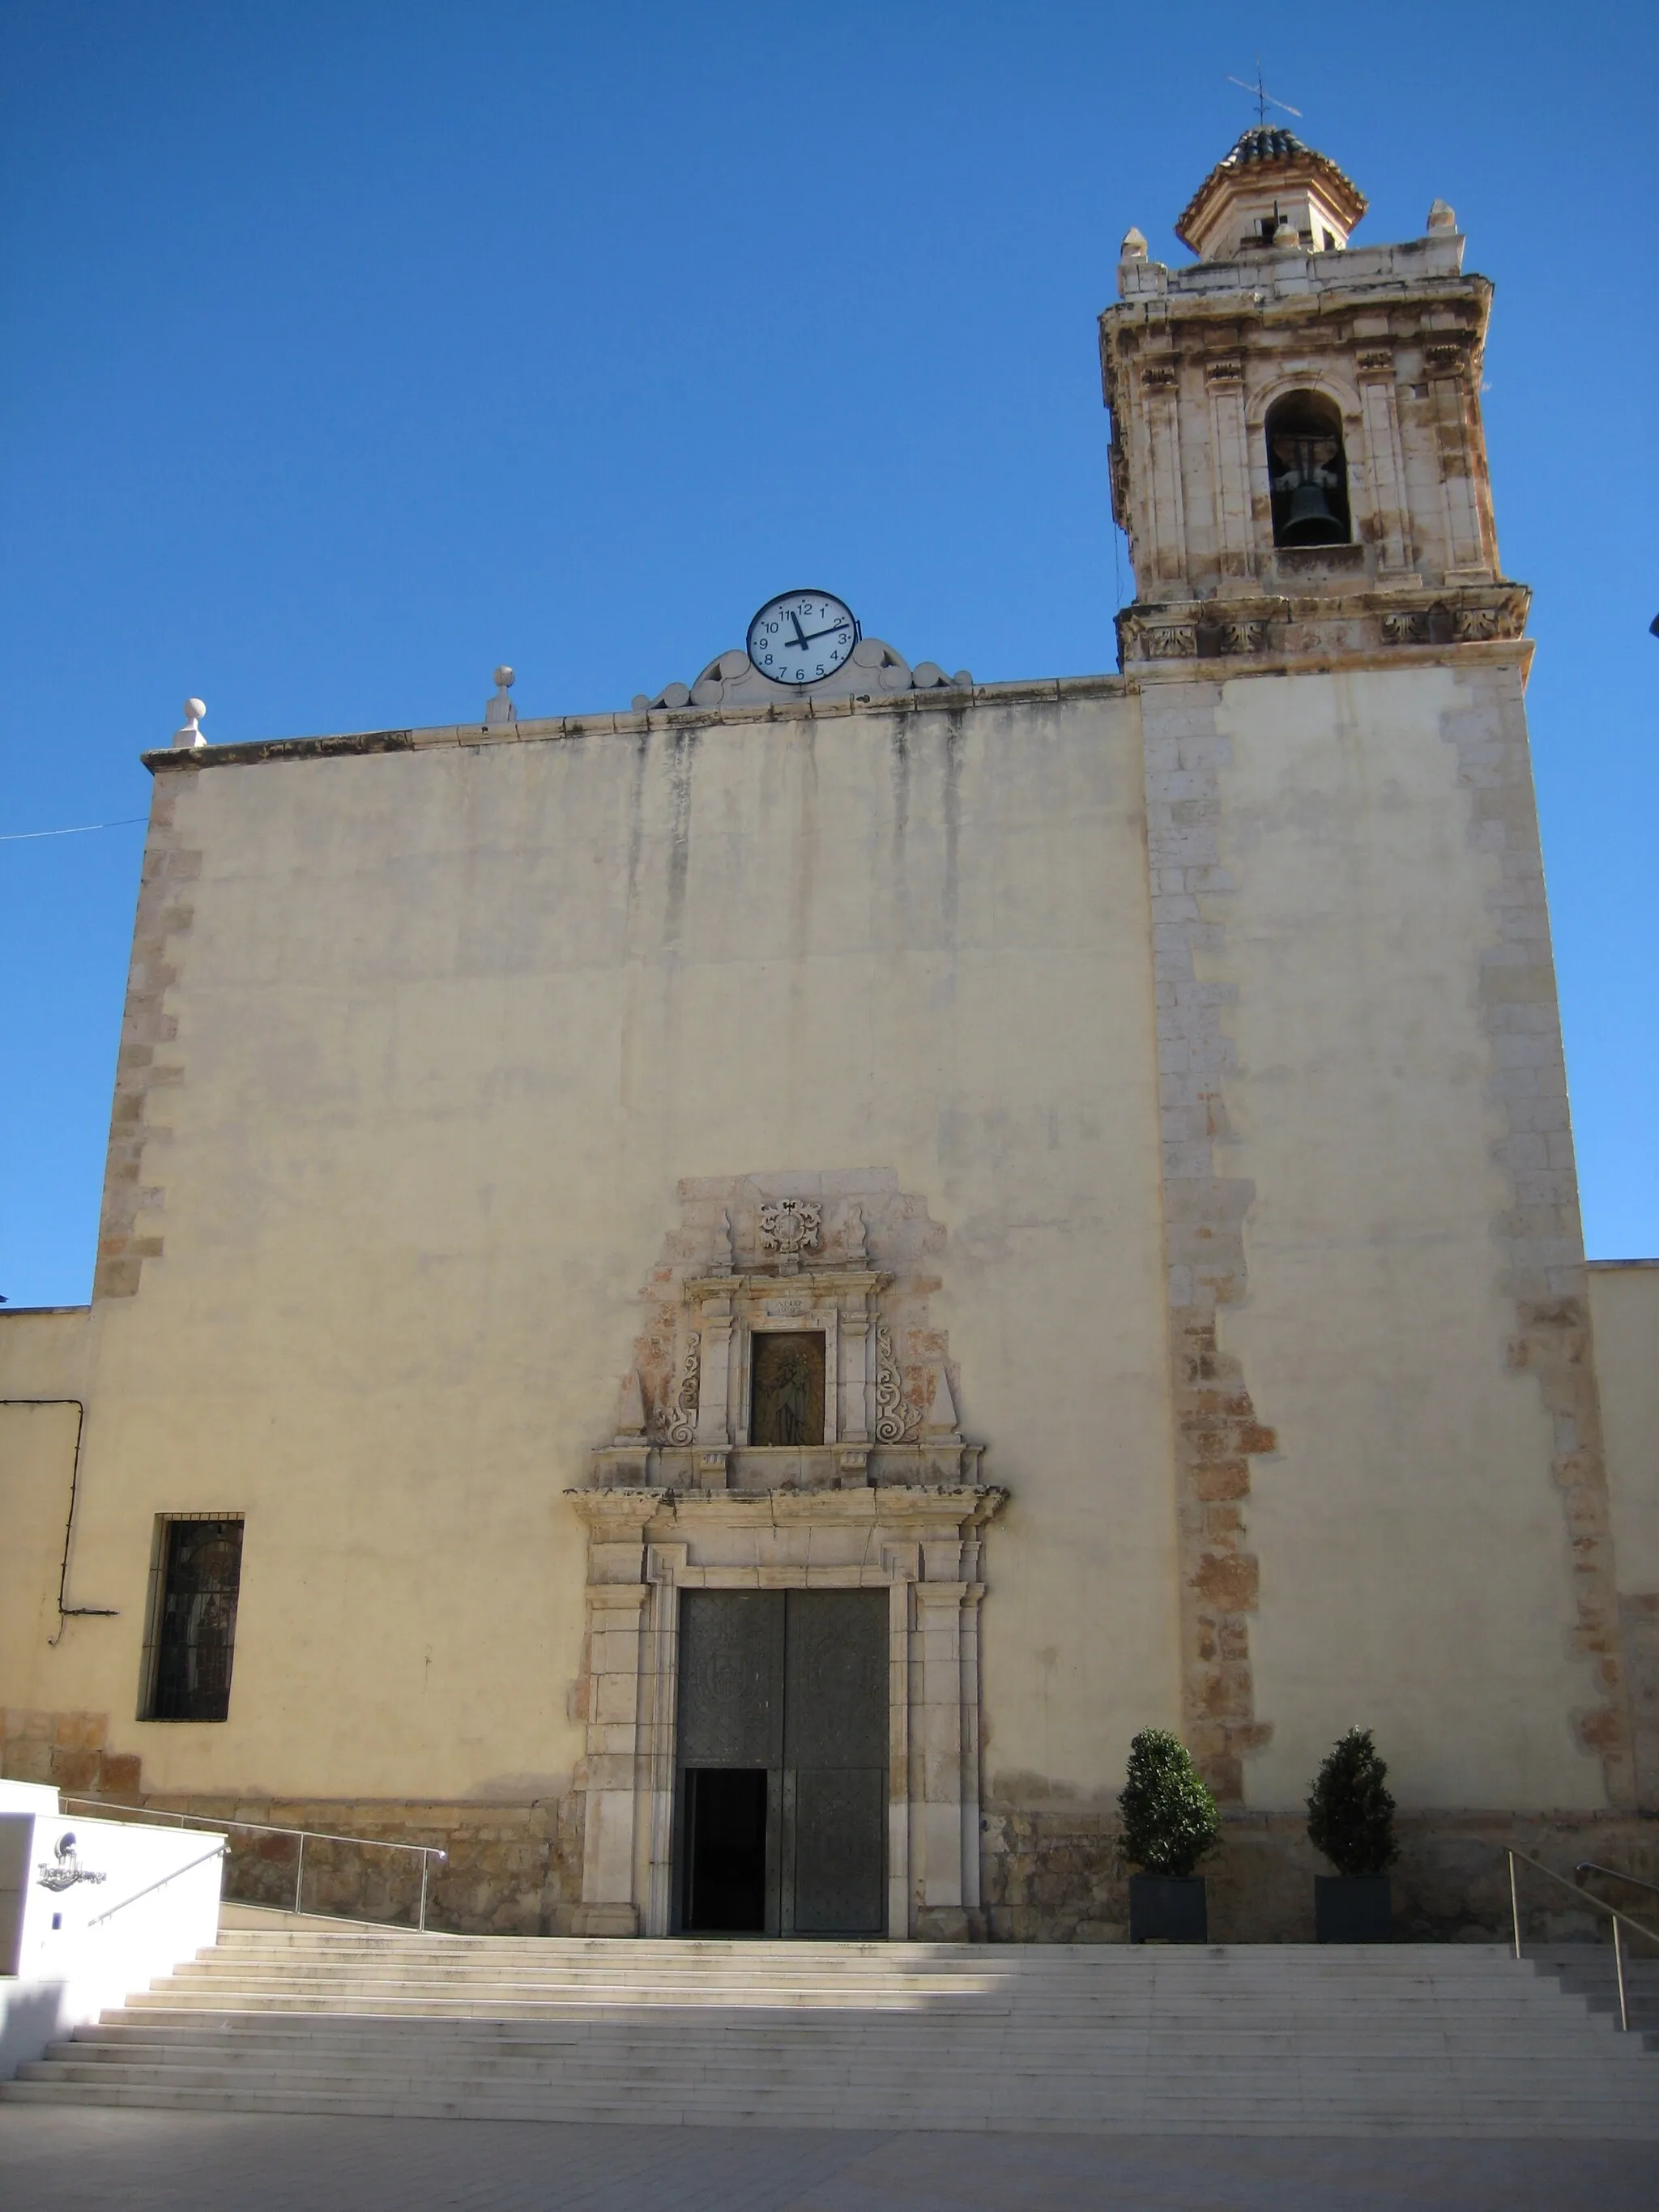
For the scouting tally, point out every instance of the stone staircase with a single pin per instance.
(1586, 1970)
(1404, 2038)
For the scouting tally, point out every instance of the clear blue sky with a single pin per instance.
(350, 349)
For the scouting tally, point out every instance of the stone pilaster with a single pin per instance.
(1540, 1234)
(143, 1071)
(1216, 1423)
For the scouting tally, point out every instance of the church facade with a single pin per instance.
(711, 1306)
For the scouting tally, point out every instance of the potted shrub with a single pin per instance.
(1170, 1822)
(1350, 1821)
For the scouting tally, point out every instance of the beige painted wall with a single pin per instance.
(1414, 1560)
(43, 1357)
(451, 1025)
(1625, 1318)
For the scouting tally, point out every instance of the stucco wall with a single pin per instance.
(1415, 1558)
(1624, 1313)
(450, 1026)
(43, 1381)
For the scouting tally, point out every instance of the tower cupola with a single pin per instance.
(1271, 192)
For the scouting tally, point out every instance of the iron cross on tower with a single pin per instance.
(1264, 99)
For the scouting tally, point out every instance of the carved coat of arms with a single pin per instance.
(791, 1226)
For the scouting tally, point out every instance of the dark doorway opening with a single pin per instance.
(725, 1850)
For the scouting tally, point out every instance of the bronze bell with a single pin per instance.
(1310, 520)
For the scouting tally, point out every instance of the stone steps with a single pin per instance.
(1586, 1970)
(1458, 2040)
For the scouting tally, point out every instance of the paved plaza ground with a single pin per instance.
(108, 2160)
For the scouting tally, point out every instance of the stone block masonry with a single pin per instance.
(1216, 1427)
(1539, 1235)
(1054, 1874)
(143, 1070)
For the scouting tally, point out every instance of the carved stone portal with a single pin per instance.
(789, 1423)
(922, 1546)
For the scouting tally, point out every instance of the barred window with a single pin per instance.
(199, 1572)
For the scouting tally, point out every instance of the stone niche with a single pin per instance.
(843, 1260)
(882, 1491)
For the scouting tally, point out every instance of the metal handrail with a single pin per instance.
(1584, 1897)
(160, 1882)
(1594, 1866)
(428, 1851)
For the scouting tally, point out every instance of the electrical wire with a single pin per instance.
(79, 829)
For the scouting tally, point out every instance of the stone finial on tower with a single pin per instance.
(1441, 217)
(1271, 194)
(500, 710)
(190, 733)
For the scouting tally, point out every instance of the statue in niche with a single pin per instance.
(786, 1401)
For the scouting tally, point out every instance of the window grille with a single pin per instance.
(193, 1634)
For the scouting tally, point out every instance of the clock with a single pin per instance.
(802, 636)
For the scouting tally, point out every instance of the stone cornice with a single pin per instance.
(626, 1511)
(552, 729)
(1371, 625)
(1448, 311)
(1249, 300)
(1503, 652)
(817, 1280)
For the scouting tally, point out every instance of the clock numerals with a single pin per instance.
(801, 636)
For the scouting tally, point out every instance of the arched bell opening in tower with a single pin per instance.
(1308, 472)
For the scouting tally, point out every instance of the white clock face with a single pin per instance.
(802, 636)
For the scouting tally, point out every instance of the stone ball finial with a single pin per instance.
(194, 709)
(499, 713)
(1285, 236)
(191, 734)
(1441, 217)
(1133, 247)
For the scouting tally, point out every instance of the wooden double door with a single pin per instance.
(781, 1807)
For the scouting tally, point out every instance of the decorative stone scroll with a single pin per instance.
(1469, 616)
(897, 1420)
(1451, 357)
(681, 1424)
(1242, 636)
(1202, 637)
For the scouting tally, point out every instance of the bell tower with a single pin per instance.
(1377, 1310)
(1296, 448)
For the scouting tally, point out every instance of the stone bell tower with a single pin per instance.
(1388, 1481)
(1297, 455)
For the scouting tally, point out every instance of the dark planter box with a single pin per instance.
(1168, 1908)
(1352, 1908)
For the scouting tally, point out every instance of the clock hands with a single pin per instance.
(789, 658)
